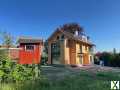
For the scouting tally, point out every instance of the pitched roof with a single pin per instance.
(29, 40)
(71, 36)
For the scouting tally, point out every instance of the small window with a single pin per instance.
(29, 47)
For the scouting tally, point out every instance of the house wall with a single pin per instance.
(66, 52)
(77, 51)
(30, 57)
(85, 54)
(62, 52)
(72, 52)
(86, 59)
(62, 48)
(91, 58)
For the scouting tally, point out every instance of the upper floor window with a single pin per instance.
(80, 48)
(29, 47)
(86, 48)
(62, 37)
(58, 37)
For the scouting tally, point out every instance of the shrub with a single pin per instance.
(110, 59)
(13, 72)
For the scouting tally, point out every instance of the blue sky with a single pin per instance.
(39, 18)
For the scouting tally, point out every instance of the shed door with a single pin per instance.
(55, 53)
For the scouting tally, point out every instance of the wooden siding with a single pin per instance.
(77, 51)
(86, 59)
(30, 57)
(66, 52)
(72, 52)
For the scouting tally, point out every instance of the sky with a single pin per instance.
(39, 18)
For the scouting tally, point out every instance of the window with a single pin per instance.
(57, 37)
(55, 52)
(29, 47)
(80, 48)
(62, 37)
(86, 48)
(90, 59)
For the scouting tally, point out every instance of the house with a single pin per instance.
(30, 50)
(69, 45)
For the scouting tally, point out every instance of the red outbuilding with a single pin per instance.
(30, 50)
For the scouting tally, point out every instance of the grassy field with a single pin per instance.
(83, 80)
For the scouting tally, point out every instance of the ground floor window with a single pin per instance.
(55, 53)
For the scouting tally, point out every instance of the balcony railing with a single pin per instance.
(83, 38)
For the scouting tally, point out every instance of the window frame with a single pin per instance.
(29, 49)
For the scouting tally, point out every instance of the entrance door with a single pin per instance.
(55, 53)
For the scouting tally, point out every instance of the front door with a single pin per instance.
(55, 53)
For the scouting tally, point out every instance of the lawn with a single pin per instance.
(65, 79)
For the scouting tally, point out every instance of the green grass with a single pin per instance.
(83, 81)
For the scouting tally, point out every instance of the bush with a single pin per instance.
(13, 72)
(110, 59)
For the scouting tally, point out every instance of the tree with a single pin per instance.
(7, 39)
(45, 53)
(114, 51)
(71, 27)
(110, 59)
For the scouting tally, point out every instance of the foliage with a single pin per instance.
(110, 59)
(44, 57)
(84, 81)
(72, 26)
(7, 39)
(5, 66)
(13, 72)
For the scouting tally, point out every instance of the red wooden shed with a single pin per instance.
(30, 50)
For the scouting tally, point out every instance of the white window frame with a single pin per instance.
(29, 45)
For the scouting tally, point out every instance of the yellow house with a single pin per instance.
(69, 45)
